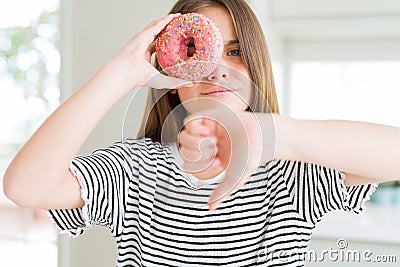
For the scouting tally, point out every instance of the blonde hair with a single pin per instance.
(255, 57)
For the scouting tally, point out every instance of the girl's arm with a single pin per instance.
(366, 152)
(39, 176)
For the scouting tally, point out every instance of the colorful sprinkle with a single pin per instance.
(171, 49)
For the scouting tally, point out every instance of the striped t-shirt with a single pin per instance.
(159, 215)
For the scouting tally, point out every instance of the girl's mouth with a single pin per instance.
(217, 91)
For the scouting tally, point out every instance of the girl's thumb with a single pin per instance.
(227, 187)
(220, 193)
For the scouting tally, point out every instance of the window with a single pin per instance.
(29, 92)
(355, 90)
(356, 80)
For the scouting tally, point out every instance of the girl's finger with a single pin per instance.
(239, 167)
(144, 38)
(158, 80)
(149, 33)
(195, 126)
(157, 25)
(190, 155)
(212, 167)
(226, 188)
(197, 155)
(216, 165)
(210, 124)
(161, 81)
(152, 47)
(195, 141)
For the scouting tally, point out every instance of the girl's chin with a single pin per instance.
(207, 102)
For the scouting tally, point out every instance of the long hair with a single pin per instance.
(255, 56)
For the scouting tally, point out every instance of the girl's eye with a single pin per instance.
(235, 53)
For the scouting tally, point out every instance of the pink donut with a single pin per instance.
(189, 47)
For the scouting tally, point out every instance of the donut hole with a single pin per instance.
(191, 48)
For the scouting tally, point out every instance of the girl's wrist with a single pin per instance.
(284, 137)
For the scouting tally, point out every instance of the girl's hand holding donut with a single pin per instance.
(133, 60)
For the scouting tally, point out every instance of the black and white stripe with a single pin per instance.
(159, 218)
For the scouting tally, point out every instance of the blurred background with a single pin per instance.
(332, 60)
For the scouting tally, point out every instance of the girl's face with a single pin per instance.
(230, 82)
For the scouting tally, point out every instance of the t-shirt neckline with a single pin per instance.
(193, 180)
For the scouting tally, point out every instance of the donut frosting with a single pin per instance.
(172, 46)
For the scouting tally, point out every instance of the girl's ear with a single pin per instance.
(173, 91)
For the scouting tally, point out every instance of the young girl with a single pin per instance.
(161, 215)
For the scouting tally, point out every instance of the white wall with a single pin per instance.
(92, 32)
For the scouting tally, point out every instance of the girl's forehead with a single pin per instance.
(221, 17)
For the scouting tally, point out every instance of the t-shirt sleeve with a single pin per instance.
(316, 190)
(104, 180)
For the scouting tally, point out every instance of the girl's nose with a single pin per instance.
(221, 73)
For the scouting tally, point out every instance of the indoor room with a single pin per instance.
(331, 60)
